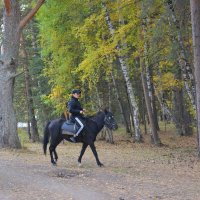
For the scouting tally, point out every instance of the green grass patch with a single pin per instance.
(23, 136)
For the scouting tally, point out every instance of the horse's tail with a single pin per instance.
(46, 137)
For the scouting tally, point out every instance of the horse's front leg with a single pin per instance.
(84, 147)
(92, 146)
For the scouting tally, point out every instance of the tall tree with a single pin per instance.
(29, 94)
(195, 15)
(124, 67)
(182, 55)
(13, 27)
(154, 133)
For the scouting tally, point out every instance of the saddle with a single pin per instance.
(69, 128)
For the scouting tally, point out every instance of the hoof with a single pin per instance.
(100, 165)
(79, 164)
(54, 163)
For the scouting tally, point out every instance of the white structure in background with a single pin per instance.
(22, 125)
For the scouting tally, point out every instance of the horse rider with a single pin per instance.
(76, 111)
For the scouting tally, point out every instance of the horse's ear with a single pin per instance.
(105, 110)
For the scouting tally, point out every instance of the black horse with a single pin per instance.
(92, 127)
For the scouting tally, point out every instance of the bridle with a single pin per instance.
(107, 122)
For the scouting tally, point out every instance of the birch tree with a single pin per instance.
(154, 133)
(122, 110)
(124, 67)
(183, 58)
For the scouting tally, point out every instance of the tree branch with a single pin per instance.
(7, 7)
(15, 75)
(30, 15)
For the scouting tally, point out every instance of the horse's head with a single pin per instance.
(109, 120)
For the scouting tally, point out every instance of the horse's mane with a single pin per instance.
(95, 116)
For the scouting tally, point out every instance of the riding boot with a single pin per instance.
(73, 139)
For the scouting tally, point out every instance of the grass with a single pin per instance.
(23, 136)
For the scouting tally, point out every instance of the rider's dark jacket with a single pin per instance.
(74, 107)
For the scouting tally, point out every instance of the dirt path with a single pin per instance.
(24, 180)
(131, 173)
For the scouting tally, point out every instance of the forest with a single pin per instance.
(139, 59)
(134, 57)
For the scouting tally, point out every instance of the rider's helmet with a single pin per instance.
(76, 91)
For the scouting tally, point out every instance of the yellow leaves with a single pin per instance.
(137, 54)
(56, 91)
(88, 69)
(86, 33)
(57, 98)
(165, 64)
(166, 82)
(126, 28)
(57, 94)
(94, 60)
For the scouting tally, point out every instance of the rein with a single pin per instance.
(97, 122)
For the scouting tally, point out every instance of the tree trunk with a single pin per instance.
(164, 107)
(29, 96)
(154, 133)
(144, 115)
(195, 15)
(8, 64)
(150, 85)
(187, 125)
(109, 137)
(181, 114)
(29, 129)
(154, 107)
(183, 60)
(100, 104)
(134, 107)
(178, 110)
(120, 103)
(149, 72)
(12, 27)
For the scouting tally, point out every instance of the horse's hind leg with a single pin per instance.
(51, 150)
(55, 155)
(54, 151)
